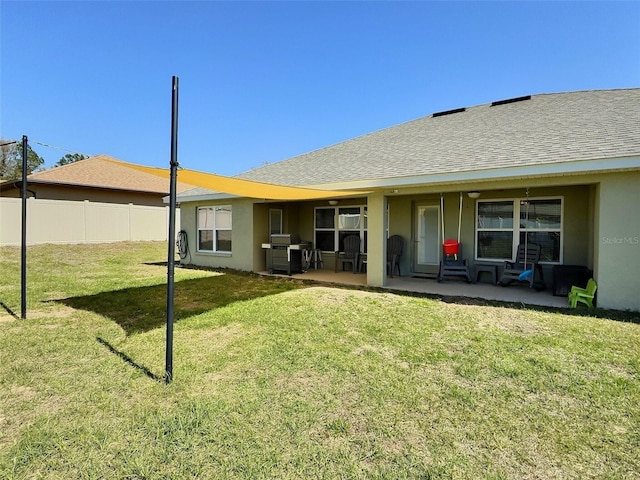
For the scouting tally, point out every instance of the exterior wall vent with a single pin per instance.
(448, 112)
(511, 100)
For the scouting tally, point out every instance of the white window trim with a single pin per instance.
(516, 227)
(214, 229)
(336, 230)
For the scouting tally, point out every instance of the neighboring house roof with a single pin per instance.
(99, 172)
(549, 129)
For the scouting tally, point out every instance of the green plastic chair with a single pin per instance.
(583, 295)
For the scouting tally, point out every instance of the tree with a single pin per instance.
(11, 160)
(70, 158)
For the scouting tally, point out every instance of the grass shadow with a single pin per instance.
(627, 316)
(9, 311)
(141, 309)
(127, 359)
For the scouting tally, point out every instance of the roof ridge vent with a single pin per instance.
(511, 100)
(448, 112)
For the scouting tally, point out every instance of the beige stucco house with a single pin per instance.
(560, 170)
(96, 179)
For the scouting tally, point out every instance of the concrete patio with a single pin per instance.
(449, 288)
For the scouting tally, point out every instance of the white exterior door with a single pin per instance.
(426, 255)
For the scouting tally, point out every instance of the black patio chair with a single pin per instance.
(453, 265)
(350, 254)
(395, 246)
(525, 268)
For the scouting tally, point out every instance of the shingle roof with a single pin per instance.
(540, 129)
(99, 172)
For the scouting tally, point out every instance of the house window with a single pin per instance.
(275, 221)
(495, 230)
(498, 233)
(334, 224)
(541, 222)
(214, 229)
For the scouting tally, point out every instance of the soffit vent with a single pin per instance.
(448, 112)
(511, 100)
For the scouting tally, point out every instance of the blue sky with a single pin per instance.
(264, 81)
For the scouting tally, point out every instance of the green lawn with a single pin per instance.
(280, 379)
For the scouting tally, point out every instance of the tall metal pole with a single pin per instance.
(172, 230)
(23, 262)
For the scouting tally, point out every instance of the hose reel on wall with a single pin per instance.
(182, 243)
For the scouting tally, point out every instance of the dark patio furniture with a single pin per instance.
(453, 265)
(525, 268)
(492, 270)
(395, 246)
(350, 254)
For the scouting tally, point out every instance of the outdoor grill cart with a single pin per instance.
(284, 253)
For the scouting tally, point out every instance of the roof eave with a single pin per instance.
(581, 167)
(503, 173)
(201, 197)
(92, 187)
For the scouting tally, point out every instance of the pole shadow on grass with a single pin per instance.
(141, 309)
(127, 359)
(9, 311)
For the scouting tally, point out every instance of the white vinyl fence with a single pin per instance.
(64, 221)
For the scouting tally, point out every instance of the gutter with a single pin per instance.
(502, 173)
(556, 169)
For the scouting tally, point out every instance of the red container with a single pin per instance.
(451, 247)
